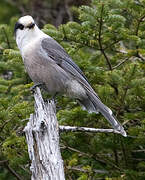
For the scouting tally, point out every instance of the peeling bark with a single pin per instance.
(42, 135)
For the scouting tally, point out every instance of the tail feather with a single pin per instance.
(88, 105)
(94, 104)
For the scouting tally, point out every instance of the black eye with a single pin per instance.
(21, 26)
(18, 26)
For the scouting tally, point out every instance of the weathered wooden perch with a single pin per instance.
(86, 129)
(42, 135)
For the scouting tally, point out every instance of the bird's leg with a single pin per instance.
(36, 85)
(53, 97)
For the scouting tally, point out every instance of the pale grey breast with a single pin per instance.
(42, 69)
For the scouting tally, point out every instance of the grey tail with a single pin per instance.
(92, 103)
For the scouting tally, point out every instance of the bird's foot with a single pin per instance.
(36, 85)
(53, 98)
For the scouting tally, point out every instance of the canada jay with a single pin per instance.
(48, 63)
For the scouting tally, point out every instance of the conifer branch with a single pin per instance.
(11, 170)
(138, 24)
(119, 64)
(96, 171)
(136, 33)
(113, 43)
(7, 39)
(124, 153)
(82, 44)
(5, 123)
(68, 10)
(95, 157)
(3, 161)
(139, 56)
(100, 39)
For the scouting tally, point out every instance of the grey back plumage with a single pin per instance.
(59, 55)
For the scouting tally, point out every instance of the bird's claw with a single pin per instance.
(36, 85)
(53, 98)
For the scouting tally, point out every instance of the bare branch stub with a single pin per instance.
(86, 129)
(42, 134)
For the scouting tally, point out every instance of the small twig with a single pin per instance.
(12, 171)
(9, 88)
(7, 39)
(59, 17)
(124, 153)
(139, 56)
(138, 159)
(68, 11)
(138, 24)
(140, 20)
(140, 150)
(3, 161)
(26, 170)
(110, 45)
(23, 120)
(100, 39)
(95, 157)
(115, 151)
(86, 129)
(119, 64)
(3, 125)
(97, 171)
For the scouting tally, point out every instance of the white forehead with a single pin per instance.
(26, 20)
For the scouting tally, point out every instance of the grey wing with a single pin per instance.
(59, 55)
(56, 52)
(62, 59)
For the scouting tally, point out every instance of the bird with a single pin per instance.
(49, 65)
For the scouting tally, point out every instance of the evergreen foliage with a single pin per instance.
(107, 42)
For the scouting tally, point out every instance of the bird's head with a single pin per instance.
(24, 24)
(26, 31)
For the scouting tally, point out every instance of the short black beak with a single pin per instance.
(31, 25)
(18, 26)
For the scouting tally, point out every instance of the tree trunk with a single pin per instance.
(42, 135)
